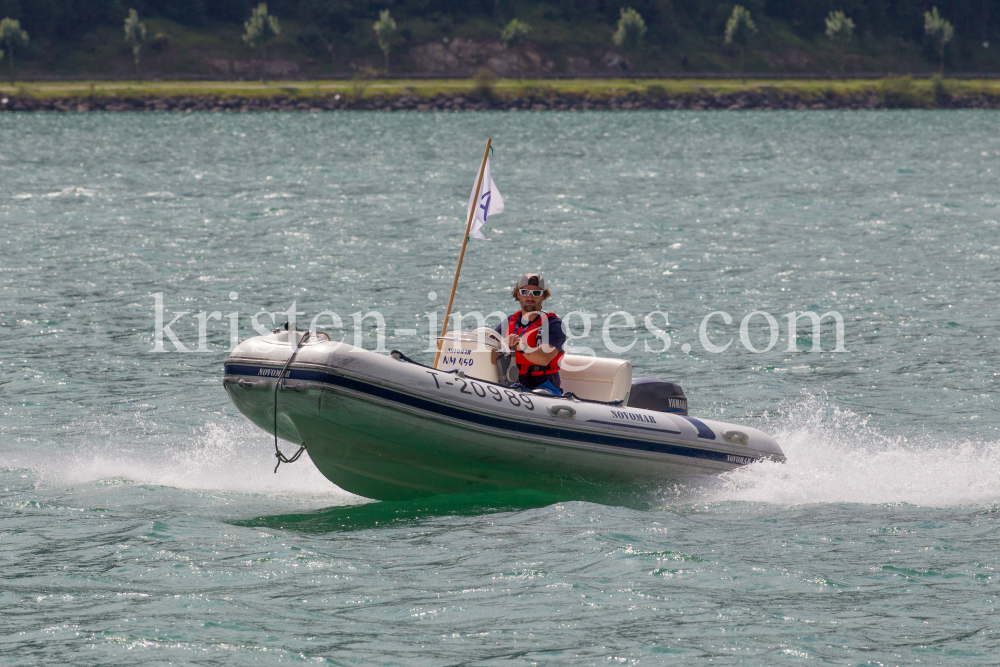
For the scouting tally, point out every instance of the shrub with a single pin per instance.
(899, 92)
(840, 29)
(740, 30)
(631, 30)
(135, 35)
(512, 35)
(359, 83)
(655, 90)
(940, 29)
(941, 89)
(260, 29)
(486, 81)
(160, 42)
(11, 37)
(384, 28)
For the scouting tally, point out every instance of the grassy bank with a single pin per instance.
(470, 95)
(504, 88)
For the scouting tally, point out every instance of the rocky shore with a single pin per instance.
(543, 101)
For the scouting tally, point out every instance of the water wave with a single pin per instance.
(833, 456)
(71, 191)
(227, 456)
(837, 456)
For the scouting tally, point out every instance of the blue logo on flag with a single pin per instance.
(486, 206)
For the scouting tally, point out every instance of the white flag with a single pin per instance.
(487, 202)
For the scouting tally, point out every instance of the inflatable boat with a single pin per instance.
(389, 428)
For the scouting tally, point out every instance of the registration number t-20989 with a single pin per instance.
(485, 391)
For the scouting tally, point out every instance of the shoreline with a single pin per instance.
(502, 95)
(746, 100)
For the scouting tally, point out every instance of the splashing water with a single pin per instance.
(835, 456)
(229, 456)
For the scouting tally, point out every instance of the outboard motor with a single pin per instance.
(658, 395)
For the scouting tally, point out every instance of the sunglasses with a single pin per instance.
(532, 292)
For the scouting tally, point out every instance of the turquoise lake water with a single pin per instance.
(140, 518)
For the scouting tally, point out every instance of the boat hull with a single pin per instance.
(393, 430)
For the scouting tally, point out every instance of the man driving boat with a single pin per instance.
(536, 337)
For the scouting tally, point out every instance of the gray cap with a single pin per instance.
(531, 279)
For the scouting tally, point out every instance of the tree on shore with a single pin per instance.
(740, 29)
(11, 37)
(941, 31)
(840, 29)
(260, 29)
(135, 35)
(384, 28)
(631, 30)
(512, 35)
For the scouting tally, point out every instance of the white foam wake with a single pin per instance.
(229, 456)
(835, 456)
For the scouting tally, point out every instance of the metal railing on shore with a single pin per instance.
(561, 76)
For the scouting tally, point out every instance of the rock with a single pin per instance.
(566, 102)
(464, 56)
(616, 62)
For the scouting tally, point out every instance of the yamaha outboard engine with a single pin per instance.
(659, 395)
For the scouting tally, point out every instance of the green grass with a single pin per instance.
(504, 87)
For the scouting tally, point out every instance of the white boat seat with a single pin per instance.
(596, 378)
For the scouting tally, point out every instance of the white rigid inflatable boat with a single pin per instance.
(388, 428)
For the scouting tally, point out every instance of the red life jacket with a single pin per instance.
(529, 333)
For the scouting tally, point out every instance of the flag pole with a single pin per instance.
(465, 242)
